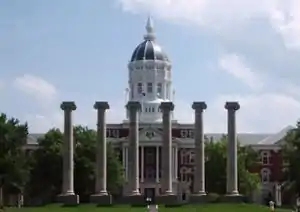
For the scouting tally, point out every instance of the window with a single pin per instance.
(149, 87)
(159, 89)
(139, 88)
(265, 157)
(185, 174)
(187, 156)
(153, 110)
(265, 175)
(132, 91)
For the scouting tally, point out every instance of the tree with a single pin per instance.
(291, 153)
(47, 166)
(216, 157)
(13, 163)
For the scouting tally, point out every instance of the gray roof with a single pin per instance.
(275, 138)
(243, 138)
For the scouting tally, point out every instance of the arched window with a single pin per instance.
(265, 175)
(265, 157)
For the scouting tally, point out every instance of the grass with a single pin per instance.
(188, 208)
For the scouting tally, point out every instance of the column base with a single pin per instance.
(101, 199)
(198, 198)
(234, 197)
(168, 199)
(68, 199)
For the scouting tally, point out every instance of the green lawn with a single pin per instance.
(190, 208)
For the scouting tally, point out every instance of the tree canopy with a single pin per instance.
(13, 163)
(216, 167)
(46, 172)
(291, 154)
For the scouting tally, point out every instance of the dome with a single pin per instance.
(148, 50)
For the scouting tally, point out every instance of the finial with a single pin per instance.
(149, 29)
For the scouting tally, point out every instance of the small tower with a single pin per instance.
(150, 80)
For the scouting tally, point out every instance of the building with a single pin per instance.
(150, 84)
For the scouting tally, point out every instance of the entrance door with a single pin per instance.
(150, 193)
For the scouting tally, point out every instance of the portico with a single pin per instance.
(150, 151)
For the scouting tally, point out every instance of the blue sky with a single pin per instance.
(78, 50)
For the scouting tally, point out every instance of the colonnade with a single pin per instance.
(101, 196)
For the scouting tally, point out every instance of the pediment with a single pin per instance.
(150, 134)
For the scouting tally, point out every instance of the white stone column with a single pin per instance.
(199, 175)
(68, 148)
(166, 108)
(101, 155)
(157, 164)
(68, 197)
(133, 153)
(232, 171)
(142, 164)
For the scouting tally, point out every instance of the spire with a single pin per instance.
(149, 30)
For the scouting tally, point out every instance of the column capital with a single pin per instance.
(166, 106)
(133, 106)
(68, 105)
(232, 106)
(199, 106)
(101, 105)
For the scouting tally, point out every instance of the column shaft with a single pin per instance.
(199, 182)
(232, 170)
(142, 163)
(166, 108)
(157, 164)
(133, 153)
(101, 152)
(232, 153)
(68, 156)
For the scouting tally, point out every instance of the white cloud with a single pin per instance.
(41, 123)
(236, 66)
(35, 86)
(283, 15)
(267, 112)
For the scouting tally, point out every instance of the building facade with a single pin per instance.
(150, 85)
